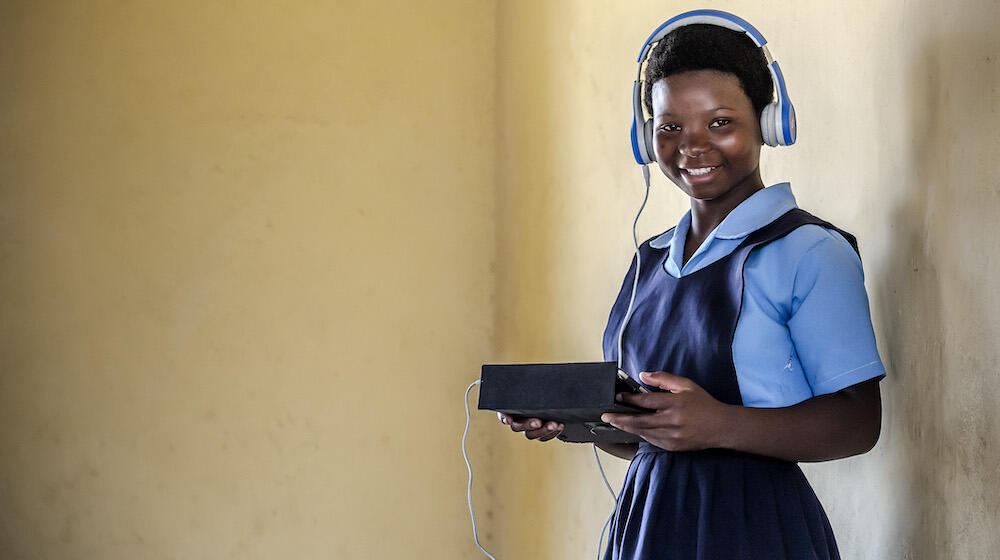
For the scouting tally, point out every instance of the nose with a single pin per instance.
(694, 143)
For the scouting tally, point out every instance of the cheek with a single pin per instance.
(663, 148)
(740, 146)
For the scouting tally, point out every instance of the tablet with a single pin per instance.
(574, 394)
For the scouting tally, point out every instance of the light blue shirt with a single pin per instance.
(805, 325)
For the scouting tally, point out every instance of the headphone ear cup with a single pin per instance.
(774, 129)
(789, 125)
(647, 130)
(769, 125)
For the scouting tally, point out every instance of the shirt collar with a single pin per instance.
(758, 210)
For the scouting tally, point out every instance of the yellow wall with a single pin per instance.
(251, 257)
(245, 259)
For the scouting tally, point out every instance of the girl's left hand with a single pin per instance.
(685, 419)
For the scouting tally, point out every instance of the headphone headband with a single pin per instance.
(710, 17)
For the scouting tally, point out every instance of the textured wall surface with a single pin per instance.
(250, 258)
(898, 112)
(245, 278)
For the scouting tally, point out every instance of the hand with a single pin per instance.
(533, 428)
(685, 419)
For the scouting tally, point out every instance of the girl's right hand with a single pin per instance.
(533, 428)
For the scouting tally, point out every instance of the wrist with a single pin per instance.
(729, 436)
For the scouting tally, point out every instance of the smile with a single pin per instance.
(699, 170)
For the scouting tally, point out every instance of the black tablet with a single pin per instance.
(573, 394)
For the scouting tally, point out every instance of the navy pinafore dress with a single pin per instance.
(714, 504)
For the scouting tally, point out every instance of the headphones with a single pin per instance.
(777, 120)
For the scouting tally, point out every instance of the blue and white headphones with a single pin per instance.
(777, 120)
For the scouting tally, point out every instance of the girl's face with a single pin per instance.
(706, 135)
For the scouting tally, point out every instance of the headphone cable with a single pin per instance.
(638, 261)
(465, 454)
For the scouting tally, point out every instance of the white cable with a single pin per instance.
(600, 540)
(604, 529)
(635, 278)
(604, 476)
(468, 492)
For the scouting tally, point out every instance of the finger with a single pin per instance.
(665, 381)
(524, 424)
(639, 424)
(548, 431)
(554, 431)
(652, 401)
(503, 418)
(646, 422)
(624, 422)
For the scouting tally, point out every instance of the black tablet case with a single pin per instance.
(573, 394)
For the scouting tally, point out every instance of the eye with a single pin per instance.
(718, 123)
(669, 127)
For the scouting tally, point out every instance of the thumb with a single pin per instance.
(665, 381)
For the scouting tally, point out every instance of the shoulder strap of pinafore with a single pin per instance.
(790, 221)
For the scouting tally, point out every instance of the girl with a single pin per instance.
(751, 316)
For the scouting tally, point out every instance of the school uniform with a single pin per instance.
(771, 310)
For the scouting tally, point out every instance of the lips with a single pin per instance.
(701, 174)
(699, 171)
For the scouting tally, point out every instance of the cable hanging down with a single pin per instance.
(465, 454)
(638, 261)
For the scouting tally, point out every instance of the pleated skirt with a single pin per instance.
(717, 505)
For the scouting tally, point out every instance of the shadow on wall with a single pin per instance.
(937, 303)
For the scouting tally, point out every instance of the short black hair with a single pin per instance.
(702, 46)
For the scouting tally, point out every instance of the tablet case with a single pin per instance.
(573, 394)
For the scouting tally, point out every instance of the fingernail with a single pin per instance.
(618, 397)
(551, 425)
(604, 418)
(536, 424)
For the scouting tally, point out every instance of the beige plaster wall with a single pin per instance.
(221, 226)
(245, 276)
(898, 111)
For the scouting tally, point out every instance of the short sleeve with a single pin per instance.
(830, 323)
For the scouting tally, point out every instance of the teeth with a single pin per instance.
(700, 170)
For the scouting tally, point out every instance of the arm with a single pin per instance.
(822, 428)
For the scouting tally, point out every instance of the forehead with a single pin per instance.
(699, 90)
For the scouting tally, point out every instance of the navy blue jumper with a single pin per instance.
(716, 503)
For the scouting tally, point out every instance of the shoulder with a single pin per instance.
(787, 270)
(810, 246)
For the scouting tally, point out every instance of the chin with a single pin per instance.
(703, 192)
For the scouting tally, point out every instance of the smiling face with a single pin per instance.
(707, 137)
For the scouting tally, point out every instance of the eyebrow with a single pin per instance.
(708, 111)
